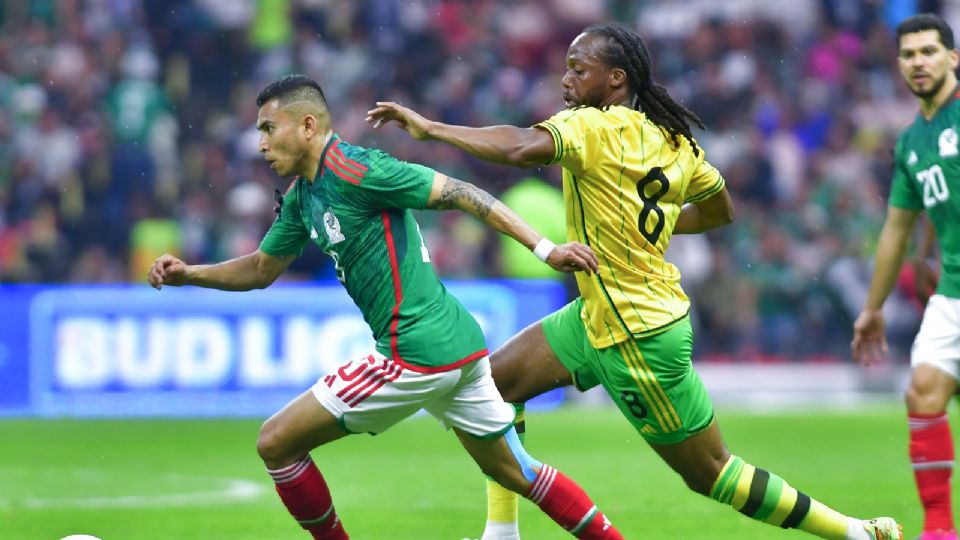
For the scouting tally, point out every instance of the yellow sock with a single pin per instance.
(768, 498)
(501, 502)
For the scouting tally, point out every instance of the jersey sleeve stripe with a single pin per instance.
(557, 141)
(353, 166)
(708, 193)
(338, 170)
(346, 169)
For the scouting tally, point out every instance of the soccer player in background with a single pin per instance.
(633, 175)
(355, 204)
(926, 177)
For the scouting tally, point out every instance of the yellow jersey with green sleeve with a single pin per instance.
(624, 183)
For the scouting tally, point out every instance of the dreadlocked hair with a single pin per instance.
(626, 50)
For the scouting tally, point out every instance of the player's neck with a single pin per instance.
(618, 97)
(311, 162)
(929, 107)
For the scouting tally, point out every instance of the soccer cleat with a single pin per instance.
(938, 534)
(883, 528)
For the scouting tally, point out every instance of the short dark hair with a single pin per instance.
(926, 21)
(292, 88)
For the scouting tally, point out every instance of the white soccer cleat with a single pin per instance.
(883, 528)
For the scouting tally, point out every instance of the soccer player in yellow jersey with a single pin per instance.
(633, 176)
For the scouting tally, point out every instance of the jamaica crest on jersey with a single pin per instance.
(948, 142)
(332, 226)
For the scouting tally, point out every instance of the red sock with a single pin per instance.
(567, 504)
(305, 493)
(931, 452)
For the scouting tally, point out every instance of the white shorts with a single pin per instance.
(938, 341)
(373, 394)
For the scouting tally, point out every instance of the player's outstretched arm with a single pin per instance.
(509, 145)
(701, 216)
(869, 339)
(449, 193)
(254, 271)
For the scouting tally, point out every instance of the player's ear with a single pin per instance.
(617, 77)
(954, 56)
(310, 125)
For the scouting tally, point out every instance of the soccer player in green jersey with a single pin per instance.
(430, 354)
(926, 178)
(633, 176)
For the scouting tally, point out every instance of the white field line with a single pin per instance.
(232, 491)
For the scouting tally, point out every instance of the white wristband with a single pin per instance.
(543, 249)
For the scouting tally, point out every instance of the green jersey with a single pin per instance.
(927, 177)
(357, 209)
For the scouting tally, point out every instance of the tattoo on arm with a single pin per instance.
(470, 198)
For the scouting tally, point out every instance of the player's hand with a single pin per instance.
(925, 280)
(573, 257)
(869, 340)
(167, 270)
(411, 122)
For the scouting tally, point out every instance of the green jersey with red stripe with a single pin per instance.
(357, 209)
(927, 177)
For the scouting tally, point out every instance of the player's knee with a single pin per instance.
(704, 474)
(929, 391)
(270, 445)
(921, 400)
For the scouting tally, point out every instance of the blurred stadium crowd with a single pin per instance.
(127, 129)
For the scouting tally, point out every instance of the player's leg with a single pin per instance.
(525, 367)
(482, 422)
(369, 395)
(654, 385)
(935, 356)
(505, 460)
(284, 443)
(709, 469)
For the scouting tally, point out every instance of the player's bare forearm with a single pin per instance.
(450, 193)
(509, 145)
(704, 215)
(890, 254)
(254, 271)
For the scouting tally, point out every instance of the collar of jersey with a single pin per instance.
(953, 97)
(323, 156)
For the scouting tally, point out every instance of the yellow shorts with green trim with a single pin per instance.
(651, 379)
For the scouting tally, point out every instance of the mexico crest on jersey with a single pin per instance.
(948, 142)
(332, 225)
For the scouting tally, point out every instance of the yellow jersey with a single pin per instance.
(624, 182)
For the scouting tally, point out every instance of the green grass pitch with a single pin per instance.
(201, 479)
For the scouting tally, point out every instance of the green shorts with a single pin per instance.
(651, 379)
